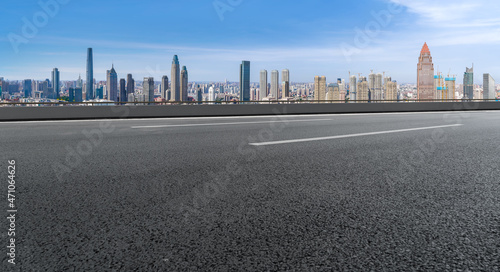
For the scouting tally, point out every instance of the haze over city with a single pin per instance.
(308, 38)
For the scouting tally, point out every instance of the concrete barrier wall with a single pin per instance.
(113, 112)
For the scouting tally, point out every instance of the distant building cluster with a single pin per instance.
(431, 85)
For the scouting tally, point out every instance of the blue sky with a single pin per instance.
(316, 37)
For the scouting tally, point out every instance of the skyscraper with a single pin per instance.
(489, 89)
(27, 88)
(175, 77)
(148, 89)
(112, 84)
(275, 84)
(469, 83)
(371, 82)
(130, 85)
(55, 84)
(285, 74)
(352, 88)
(263, 84)
(378, 94)
(391, 90)
(90, 75)
(184, 84)
(320, 88)
(79, 82)
(123, 91)
(245, 81)
(425, 75)
(164, 87)
(200, 95)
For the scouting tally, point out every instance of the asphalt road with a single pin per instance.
(369, 192)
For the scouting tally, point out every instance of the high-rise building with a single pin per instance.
(363, 95)
(391, 90)
(123, 90)
(275, 84)
(320, 88)
(489, 89)
(352, 88)
(200, 95)
(211, 94)
(90, 75)
(469, 83)
(245, 81)
(378, 94)
(164, 87)
(148, 89)
(75, 94)
(333, 93)
(425, 75)
(130, 85)
(285, 87)
(450, 86)
(27, 88)
(79, 82)
(184, 84)
(371, 82)
(285, 74)
(175, 78)
(56, 88)
(263, 84)
(112, 84)
(99, 93)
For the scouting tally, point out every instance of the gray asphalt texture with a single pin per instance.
(200, 198)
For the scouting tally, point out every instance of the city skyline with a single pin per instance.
(459, 33)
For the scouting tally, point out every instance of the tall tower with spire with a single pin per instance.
(112, 84)
(175, 80)
(425, 75)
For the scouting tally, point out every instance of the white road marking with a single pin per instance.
(349, 135)
(234, 123)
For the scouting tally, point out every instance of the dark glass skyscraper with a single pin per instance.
(90, 75)
(56, 87)
(27, 88)
(123, 90)
(184, 84)
(469, 83)
(112, 84)
(130, 84)
(245, 81)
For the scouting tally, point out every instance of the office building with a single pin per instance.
(148, 89)
(164, 88)
(245, 81)
(425, 75)
(27, 88)
(123, 91)
(489, 89)
(56, 87)
(184, 84)
(469, 83)
(99, 93)
(112, 84)
(263, 84)
(90, 76)
(75, 94)
(175, 80)
(130, 85)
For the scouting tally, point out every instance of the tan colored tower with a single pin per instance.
(362, 88)
(425, 75)
(320, 88)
